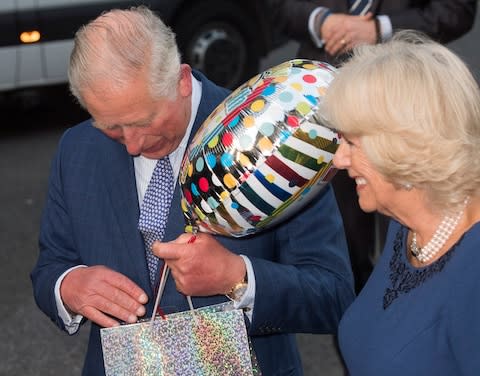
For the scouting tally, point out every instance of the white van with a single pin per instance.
(223, 38)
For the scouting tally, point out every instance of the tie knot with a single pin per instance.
(156, 202)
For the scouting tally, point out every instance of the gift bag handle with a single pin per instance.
(163, 281)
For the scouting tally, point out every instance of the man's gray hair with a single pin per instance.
(122, 45)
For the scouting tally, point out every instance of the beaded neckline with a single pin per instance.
(403, 277)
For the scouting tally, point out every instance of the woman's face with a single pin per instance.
(374, 192)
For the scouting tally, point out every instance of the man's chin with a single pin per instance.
(148, 156)
(153, 154)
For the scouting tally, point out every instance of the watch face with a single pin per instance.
(238, 291)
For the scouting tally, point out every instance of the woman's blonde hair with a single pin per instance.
(416, 107)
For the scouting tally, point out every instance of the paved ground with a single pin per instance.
(29, 343)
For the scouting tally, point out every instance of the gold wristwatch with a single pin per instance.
(238, 289)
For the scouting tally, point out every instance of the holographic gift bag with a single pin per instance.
(209, 341)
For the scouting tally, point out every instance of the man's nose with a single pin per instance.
(132, 141)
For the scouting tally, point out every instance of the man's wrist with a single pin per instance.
(238, 289)
(320, 19)
(315, 22)
(71, 320)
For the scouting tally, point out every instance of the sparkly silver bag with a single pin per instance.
(210, 341)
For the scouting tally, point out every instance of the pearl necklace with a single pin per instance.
(439, 238)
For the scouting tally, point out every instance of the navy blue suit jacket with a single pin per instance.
(302, 271)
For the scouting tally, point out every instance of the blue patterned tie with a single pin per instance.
(360, 7)
(154, 211)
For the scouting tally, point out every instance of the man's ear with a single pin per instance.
(185, 83)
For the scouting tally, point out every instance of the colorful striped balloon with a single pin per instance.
(262, 154)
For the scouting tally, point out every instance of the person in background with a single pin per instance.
(327, 30)
(408, 113)
(100, 219)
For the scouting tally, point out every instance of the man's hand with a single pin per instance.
(203, 267)
(342, 32)
(98, 292)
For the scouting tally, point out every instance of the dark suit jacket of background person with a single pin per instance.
(442, 20)
(91, 218)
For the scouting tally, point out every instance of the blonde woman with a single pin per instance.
(408, 113)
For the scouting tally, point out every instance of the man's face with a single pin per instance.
(146, 126)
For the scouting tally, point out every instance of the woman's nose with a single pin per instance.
(341, 159)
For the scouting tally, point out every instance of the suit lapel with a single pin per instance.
(120, 181)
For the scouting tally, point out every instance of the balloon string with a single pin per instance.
(161, 287)
(190, 241)
(163, 282)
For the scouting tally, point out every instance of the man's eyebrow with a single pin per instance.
(99, 125)
(141, 123)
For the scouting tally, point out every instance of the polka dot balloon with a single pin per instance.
(262, 154)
